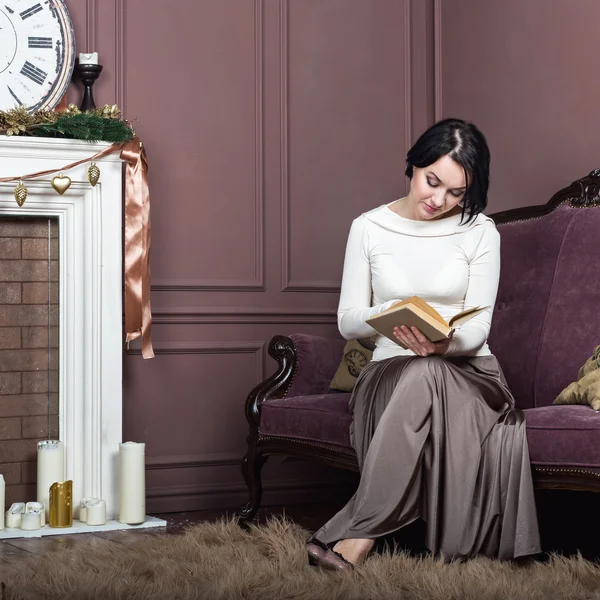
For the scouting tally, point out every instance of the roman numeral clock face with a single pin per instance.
(37, 53)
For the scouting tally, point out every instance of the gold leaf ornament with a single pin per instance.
(93, 174)
(21, 193)
(61, 183)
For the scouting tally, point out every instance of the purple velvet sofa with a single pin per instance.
(546, 324)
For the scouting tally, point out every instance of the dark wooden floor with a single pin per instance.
(569, 523)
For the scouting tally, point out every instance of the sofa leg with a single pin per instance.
(251, 470)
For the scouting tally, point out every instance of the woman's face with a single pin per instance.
(436, 189)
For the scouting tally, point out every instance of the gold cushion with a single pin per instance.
(586, 390)
(357, 354)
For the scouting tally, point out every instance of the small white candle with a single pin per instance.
(132, 483)
(50, 469)
(30, 521)
(2, 500)
(14, 513)
(83, 508)
(96, 512)
(88, 59)
(38, 508)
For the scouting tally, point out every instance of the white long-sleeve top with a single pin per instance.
(452, 266)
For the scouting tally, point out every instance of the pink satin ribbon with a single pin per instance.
(138, 313)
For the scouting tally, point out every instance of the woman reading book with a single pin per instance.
(434, 426)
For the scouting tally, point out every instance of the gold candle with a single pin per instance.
(61, 504)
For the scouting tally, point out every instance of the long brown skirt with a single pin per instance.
(439, 439)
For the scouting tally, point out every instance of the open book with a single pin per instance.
(415, 312)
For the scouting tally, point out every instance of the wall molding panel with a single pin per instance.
(240, 347)
(257, 281)
(280, 492)
(284, 150)
(219, 488)
(241, 315)
(437, 59)
(211, 285)
(120, 55)
(191, 461)
(91, 24)
(288, 283)
(408, 115)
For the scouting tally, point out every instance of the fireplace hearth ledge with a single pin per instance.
(79, 527)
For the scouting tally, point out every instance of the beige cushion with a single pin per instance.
(357, 354)
(586, 390)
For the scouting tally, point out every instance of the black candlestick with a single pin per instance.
(88, 74)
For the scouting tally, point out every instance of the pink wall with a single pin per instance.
(526, 73)
(269, 126)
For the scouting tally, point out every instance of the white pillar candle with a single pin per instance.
(96, 512)
(13, 514)
(2, 500)
(36, 507)
(88, 59)
(132, 483)
(30, 521)
(50, 469)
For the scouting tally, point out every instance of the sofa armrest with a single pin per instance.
(282, 349)
(317, 361)
(305, 365)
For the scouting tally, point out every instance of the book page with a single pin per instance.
(409, 315)
(426, 307)
(420, 304)
(466, 315)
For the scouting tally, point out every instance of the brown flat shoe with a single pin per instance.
(320, 555)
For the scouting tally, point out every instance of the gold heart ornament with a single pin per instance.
(61, 183)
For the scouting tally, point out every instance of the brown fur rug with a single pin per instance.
(215, 561)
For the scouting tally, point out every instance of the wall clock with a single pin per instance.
(37, 53)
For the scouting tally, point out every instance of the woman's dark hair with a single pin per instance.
(466, 145)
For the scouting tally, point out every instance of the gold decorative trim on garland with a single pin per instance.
(138, 313)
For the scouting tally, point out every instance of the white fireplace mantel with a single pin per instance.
(90, 301)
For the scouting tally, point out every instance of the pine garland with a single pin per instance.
(85, 127)
(100, 124)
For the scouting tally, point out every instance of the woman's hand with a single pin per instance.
(414, 340)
